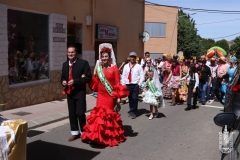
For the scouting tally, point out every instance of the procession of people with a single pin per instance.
(169, 77)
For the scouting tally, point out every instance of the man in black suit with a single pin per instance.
(75, 74)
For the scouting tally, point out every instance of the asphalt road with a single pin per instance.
(175, 135)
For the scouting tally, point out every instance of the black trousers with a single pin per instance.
(191, 94)
(133, 97)
(218, 92)
(76, 109)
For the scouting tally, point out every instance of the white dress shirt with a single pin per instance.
(213, 70)
(208, 63)
(196, 78)
(161, 65)
(137, 74)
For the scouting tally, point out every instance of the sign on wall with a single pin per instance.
(58, 39)
(59, 29)
(106, 32)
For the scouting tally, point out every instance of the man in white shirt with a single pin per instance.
(213, 67)
(143, 60)
(132, 76)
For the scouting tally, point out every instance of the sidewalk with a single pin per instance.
(44, 113)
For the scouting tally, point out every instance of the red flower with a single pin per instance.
(105, 49)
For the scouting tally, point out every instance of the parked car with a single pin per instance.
(229, 120)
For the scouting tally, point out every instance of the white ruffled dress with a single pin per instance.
(149, 97)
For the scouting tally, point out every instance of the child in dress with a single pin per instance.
(152, 92)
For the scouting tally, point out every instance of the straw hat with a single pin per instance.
(223, 59)
(213, 59)
(203, 57)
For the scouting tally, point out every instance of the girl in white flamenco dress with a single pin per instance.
(152, 93)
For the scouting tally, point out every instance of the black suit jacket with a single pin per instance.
(80, 67)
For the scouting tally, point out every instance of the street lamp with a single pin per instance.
(185, 15)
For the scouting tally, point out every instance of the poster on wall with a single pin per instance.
(107, 32)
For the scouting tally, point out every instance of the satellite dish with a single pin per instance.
(145, 35)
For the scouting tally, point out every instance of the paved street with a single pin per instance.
(175, 135)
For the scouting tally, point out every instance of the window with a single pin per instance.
(156, 55)
(156, 29)
(27, 46)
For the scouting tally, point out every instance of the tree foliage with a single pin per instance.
(205, 45)
(188, 41)
(193, 45)
(223, 44)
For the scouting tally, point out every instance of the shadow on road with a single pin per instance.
(129, 131)
(40, 150)
(161, 115)
(141, 112)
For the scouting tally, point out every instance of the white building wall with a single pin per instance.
(89, 56)
(57, 50)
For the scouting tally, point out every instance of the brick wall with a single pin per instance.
(3, 41)
(166, 15)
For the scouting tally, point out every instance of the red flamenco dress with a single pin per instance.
(104, 125)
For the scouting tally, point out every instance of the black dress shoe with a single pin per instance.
(194, 107)
(203, 103)
(74, 137)
(188, 108)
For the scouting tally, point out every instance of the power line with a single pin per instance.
(218, 22)
(226, 36)
(207, 11)
(201, 10)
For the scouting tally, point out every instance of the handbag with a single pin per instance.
(117, 107)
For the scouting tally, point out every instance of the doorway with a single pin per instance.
(74, 36)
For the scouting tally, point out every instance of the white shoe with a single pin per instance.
(155, 115)
(150, 117)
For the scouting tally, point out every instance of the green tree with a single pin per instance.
(235, 47)
(206, 44)
(188, 40)
(223, 44)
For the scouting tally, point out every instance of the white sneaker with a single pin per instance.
(155, 115)
(150, 117)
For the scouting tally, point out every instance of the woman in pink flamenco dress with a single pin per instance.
(104, 124)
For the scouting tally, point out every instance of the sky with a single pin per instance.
(216, 31)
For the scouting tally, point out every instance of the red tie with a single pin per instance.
(130, 73)
(68, 89)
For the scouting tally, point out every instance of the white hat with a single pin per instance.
(133, 54)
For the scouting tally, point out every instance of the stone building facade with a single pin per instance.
(68, 22)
